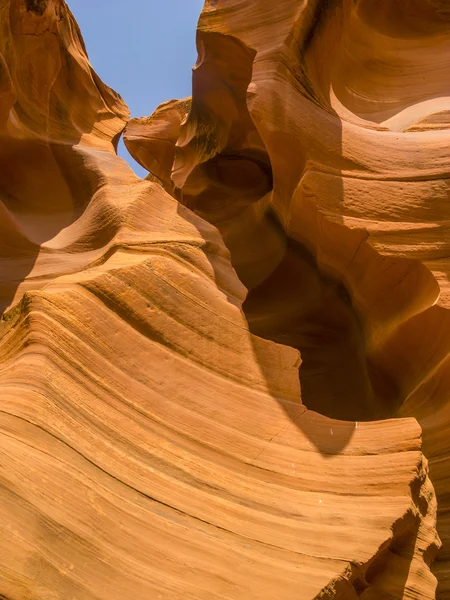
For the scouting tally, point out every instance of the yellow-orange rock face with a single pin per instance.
(227, 381)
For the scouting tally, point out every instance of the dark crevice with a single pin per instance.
(37, 6)
(300, 307)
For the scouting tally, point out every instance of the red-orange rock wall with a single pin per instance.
(227, 381)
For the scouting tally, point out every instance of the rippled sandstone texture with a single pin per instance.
(228, 381)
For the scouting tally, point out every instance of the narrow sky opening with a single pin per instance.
(143, 49)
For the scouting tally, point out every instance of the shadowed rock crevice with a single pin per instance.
(37, 6)
(299, 307)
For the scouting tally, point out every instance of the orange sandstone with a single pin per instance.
(227, 381)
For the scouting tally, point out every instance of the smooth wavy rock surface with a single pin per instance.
(214, 382)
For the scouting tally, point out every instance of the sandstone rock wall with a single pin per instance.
(227, 381)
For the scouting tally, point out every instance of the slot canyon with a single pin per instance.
(230, 379)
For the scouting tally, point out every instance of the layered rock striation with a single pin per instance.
(227, 380)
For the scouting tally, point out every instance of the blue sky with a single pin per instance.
(144, 49)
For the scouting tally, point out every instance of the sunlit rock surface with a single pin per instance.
(228, 381)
